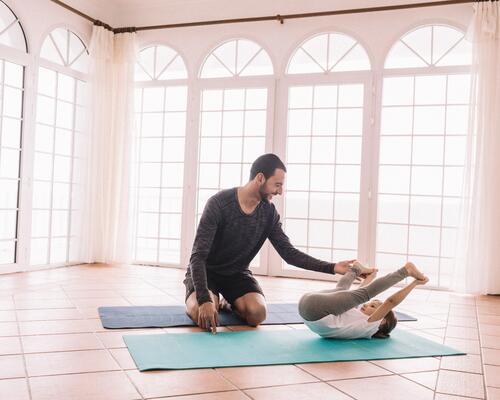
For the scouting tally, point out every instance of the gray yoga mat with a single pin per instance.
(170, 316)
(288, 346)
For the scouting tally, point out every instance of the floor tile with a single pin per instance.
(123, 358)
(49, 314)
(42, 304)
(231, 395)
(8, 329)
(96, 386)
(462, 332)
(12, 367)
(67, 342)
(54, 327)
(491, 356)
(176, 383)
(460, 383)
(406, 365)
(343, 370)
(428, 379)
(307, 391)
(14, 389)
(492, 342)
(467, 363)
(70, 362)
(492, 375)
(492, 330)
(10, 345)
(114, 339)
(493, 393)
(7, 316)
(465, 345)
(272, 375)
(384, 388)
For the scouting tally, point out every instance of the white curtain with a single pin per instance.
(106, 232)
(477, 270)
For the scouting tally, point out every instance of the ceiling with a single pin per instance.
(152, 12)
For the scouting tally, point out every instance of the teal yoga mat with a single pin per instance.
(289, 346)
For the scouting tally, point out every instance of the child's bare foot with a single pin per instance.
(422, 281)
(414, 272)
(365, 271)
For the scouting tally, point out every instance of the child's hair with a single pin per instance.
(388, 324)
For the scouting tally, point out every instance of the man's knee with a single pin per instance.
(255, 314)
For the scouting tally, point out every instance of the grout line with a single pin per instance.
(23, 354)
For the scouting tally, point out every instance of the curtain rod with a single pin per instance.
(279, 18)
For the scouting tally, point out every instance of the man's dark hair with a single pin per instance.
(266, 164)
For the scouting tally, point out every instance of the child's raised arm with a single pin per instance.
(395, 299)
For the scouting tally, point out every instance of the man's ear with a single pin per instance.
(260, 178)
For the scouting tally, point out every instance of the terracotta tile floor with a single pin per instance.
(52, 345)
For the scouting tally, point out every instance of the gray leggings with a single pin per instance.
(316, 305)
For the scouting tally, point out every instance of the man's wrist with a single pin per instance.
(333, 268)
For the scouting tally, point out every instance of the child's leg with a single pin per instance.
(346, 281)
(317, 305)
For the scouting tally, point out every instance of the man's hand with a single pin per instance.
(342, 267)
(208, 317)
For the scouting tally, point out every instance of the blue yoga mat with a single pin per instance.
(289, 346)
(169, 316)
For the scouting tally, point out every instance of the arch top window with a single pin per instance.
(64, 47)
(329, 52)
(240, 57)
(11, 32)
(158, 63)
(433, 45)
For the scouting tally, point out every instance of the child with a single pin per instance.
(333, 313)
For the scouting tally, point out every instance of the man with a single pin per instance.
(234, 225)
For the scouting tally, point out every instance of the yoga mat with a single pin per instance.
(169, 316)
(289, 346)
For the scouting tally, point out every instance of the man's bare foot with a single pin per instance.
(414, 272)
(224, 305)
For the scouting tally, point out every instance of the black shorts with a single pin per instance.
(229, 286)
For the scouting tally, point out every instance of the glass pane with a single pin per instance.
(429, 120)
(39, 251)
(426, 180)
(320, 205)
(398, 91)
(322, 178)
(8, 193)
(397, 121)
(395, 180)
(345, 235)
(170, 226)
(392, 238)
(11, 132)
(425, 210)
(346, 206)
(395, 150)
(430, 89)
(320, 233)
(428, 150)
(423, 241)
(393, 208)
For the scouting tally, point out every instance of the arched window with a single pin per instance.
(328, 52)
(240, 57)
(323, 147)
(11, 31)
(433, 45)
(161, 127)
(65, 48)
(423, 131)
(59, 141)
(233, 118)
(11, 121)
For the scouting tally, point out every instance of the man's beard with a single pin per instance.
(264, 195)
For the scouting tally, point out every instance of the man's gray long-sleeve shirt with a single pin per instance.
(227, 240)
